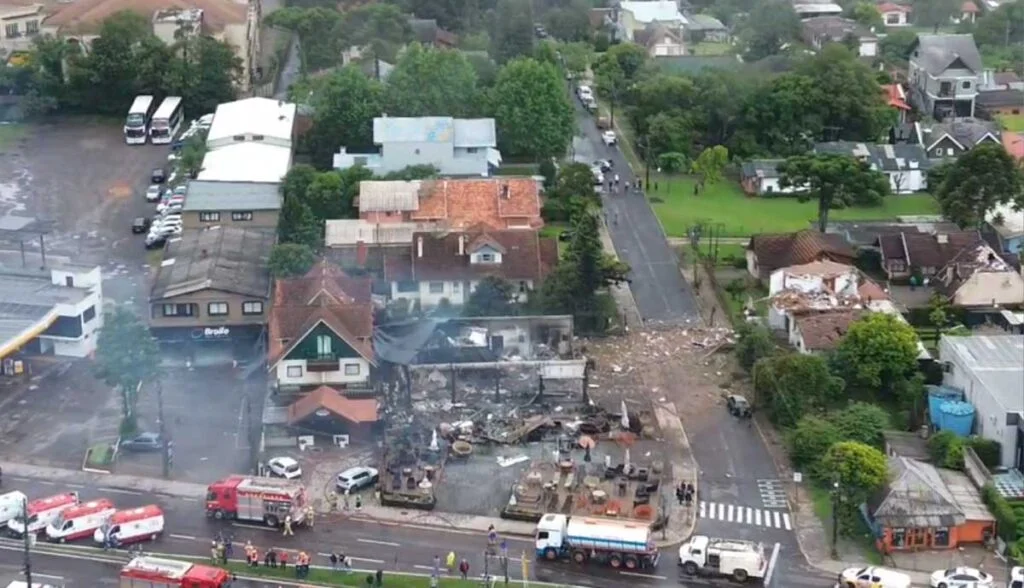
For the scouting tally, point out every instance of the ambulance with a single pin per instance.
(144, 523)
(42, 512)
(11, 505)
(80, 521)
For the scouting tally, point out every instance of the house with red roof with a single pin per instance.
(893, 14)
(896, 98)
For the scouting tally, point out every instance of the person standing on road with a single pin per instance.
(359, 502)
(334, 561)
(449, 562)
(464, 568)
(287, 531)
(310, 515)
(228, 548)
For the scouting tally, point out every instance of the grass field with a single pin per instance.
(741, 216)
(712, 48)
(1012, 122)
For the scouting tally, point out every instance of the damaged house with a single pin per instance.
(977, 277)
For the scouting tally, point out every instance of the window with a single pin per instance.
(949, 151)
(11, 31)
(69, 281)
(361, 160)
(966, 85)
(899, 537)
(32, 27)
(940, 538)
(408, 286)
(522, 286)
(472, 149)
(486, 258)
(178, 309)
(456, 286)
(938, 152)
(897, 265)
(258, 137)
(294, 371)
(252, 307)
(217, 308)
(437, 287)
(89, 314)
(241, 216)
(323, 345)
(351, 369)
(209, 217)
(238, 138)
(892, 19)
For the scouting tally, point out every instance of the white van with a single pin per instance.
(42, 512)
(80, 521)
(1017, 577)
(132, 525)
(872, 576)
(11, 505)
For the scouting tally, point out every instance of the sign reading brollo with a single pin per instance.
(208, 333)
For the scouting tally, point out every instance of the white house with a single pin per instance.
(54, 312)
(21, 24)
(455, 146)
(448, 266)
(944, 74)
(977, 277)
(990, 371)
(905, 165)
(894, 15)
(637, 16)
(761, 176)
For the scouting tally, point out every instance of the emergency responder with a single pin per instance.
(214, 557)
(310, 515)
(287, 526)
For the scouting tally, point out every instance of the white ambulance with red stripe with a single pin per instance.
(42, 512)
(79, 522)
(144, 523)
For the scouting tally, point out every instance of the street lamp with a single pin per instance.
(835, 518)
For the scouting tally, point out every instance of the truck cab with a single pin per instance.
(549, 536)
(740, 560)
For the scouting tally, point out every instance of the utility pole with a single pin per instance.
(28, 555)
(168, 449)
(835, 519)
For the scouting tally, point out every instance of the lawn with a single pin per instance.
(741, 216)
(712, 48)
(1012, 122)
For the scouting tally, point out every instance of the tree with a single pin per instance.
(126, 355)
(866, 14)
(290, 259)
(864, 423)
(412, 172)
(710, 164)
(190, 160)
(1002, 28)
(344, 104)
(206, 75)
(575, 57)
(977, 182)
(297, 224)
(753, 342)
(934, 13)
(319, 30)
(381, 28)
(493, 296)
(572, 287)
(833, 181)
(810, 439)
(878, 351)
(938, 313)
(432, 82)
(792, 385)
(575, 180)
(768, 28)
(946, 450)
(532, 110)
(672, 162)
(859, 469)
(512, 31)
(570, 22)
(894, 48)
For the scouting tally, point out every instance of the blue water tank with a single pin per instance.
(936, 396)
(956, 416)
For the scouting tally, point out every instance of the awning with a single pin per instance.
(12, 345)
(493, 156)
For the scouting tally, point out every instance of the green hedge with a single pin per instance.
(1006, 517)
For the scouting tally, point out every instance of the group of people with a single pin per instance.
(449, 565)
(684, 493)
(310, 520)
(614, 183)
(342, 560)
(275, 558)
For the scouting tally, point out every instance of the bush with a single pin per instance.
(989, 452)
(809, 440)
(863, 423)
(1007, 523)
(947, 450)
(753, 342)
(99, 455)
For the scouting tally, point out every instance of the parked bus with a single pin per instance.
(166, 121)
(136, 126)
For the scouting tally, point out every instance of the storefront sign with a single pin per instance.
(211, 333)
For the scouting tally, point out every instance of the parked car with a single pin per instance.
(962, 577)
(609, 138)
(284, 467)
(155, 241)
(154, 192)
(180, 190)
(357, 478)
(158, 176)
(140, 225)
(605, 165)
(1017, 577)
(604, 123)
(143, 442)
(738, 405)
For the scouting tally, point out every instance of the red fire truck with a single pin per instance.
(157, 572)
(248, 498)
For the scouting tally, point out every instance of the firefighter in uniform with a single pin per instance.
(287, 526)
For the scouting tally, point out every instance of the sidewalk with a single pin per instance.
(621, 292)
(186, 490)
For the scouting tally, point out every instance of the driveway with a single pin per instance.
(662, 295)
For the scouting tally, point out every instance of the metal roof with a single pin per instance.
(935, 53)
(658, 11)
(348, 232)
(253, 116)
(917, 497)
(248, 161)
(207, 195)
(995, 360)
(882, 156)
(389, 195)
(477, 132)
(222, 258)
(25, 300)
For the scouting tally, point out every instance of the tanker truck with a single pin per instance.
(619, 543)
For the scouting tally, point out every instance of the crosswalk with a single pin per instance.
(744, 515)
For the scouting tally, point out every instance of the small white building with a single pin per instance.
(990, 371)
(56, 311)
(250, 140)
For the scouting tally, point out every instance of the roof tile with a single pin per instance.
(775, 251)
(525, 256)
(464, 203)
(355, 410)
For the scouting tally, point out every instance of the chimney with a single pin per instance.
(419, 246)
(942, 238)
(361, 253)
(462, 245)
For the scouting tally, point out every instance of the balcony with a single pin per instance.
(322, 363)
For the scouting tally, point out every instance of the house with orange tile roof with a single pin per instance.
(328, 411)
(499, 203)
(320, 331)
(1014, 144)
(449, 265)
(896, 98)
(237, 23)
(893, 14)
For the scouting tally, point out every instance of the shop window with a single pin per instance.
(408, 286)
(241, 215)
(940, 537)
(209, 217)
(899, 538)
(294, 371)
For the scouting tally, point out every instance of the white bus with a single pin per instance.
(136, 126)
(166, 121)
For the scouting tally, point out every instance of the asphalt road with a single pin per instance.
(662, 295)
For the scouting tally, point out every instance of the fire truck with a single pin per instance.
(247, 498)
(157, 572)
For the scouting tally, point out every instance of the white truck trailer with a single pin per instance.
(618, 543)
(740, 560)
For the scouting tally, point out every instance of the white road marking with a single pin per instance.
(375, 542)
(778, 519)
(256, 527)
(771, 565)
(701, 509)
(757, 517)
(750, 515)
(75, 486)
(186, 537)
(721, 512)
(639, 575)
(431, 568)
(190, 499)
(45, 483)
(366, 559)
(120, 491)
(786, 522)
(729, 516)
